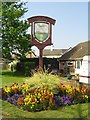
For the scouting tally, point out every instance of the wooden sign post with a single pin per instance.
(41, 34)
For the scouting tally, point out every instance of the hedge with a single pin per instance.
(25, 68)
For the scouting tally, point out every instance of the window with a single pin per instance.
(70, 64)
(78, 64)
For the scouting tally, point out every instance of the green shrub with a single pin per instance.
(25, 68)
(44, 79)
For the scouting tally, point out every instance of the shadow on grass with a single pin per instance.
(10, 73)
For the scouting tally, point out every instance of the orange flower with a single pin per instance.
(20, 101)
(15, 90)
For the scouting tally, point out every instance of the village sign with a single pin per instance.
(41, 33)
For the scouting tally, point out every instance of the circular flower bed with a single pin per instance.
(42, 98)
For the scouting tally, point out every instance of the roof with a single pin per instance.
(30, 54)
(78, 51)
(53, 52)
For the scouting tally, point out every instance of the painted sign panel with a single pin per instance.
(41, 31)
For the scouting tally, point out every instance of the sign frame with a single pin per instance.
(34, 41)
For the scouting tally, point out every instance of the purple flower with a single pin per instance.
(66, 100)
(15, 96)
(57, 100)
(15, 103)
(13, 99)
(9, 100)
(62, 100)
(20, 96)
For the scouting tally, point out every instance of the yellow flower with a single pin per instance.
(31, 96)
(33, 103)
(39, 95)
(41, 91)
(35, 94)
(26, 99)
(25, 103)
(29, 99)
(35, 100)
(28, 102)
(86, 96)
(77, 89)
(7, 89)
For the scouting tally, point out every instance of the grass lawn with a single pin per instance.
(73, 111)
(8, 78)
(10, 111)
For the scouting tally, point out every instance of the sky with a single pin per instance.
(71, 25)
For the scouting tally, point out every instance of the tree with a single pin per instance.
(14, 37)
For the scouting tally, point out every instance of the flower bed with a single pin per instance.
(42, 97)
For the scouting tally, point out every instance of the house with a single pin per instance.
(54, 53)
(72, 59)
(84, 76)
(31, 54)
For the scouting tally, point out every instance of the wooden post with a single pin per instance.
(40, 58)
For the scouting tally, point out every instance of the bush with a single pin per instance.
(25, 68)
(40, 79)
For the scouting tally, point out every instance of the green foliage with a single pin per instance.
(25, 68)
(40, 79)
(14, 37)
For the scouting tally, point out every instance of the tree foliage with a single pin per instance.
(14, 36)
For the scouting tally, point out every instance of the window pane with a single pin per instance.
(78, 64)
